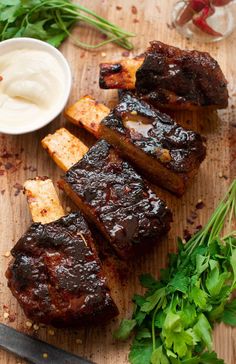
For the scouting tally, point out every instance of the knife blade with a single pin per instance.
(35, 351)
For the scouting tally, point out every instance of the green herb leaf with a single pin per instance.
(202, 263)
(141, 352)
(37, 18)
(188, 314)
(205, 358)
(233, 264)
(125, 329)
(143, 333)
(203, 330)
(8, 14)
(36, 30)
(210, 358)
(176, 315)
(158, 357)
(149, 282)
(199, 297)
(229, 313)
(215, 280)
(180, 282)
(153, 300)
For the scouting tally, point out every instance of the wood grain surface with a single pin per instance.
(22, 157)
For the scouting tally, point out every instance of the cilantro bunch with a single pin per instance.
(173, 321)
(52, 21)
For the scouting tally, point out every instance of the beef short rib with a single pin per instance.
(174, 78)
(169, 77)
(57, 277)
(164, 151)
(112, 195)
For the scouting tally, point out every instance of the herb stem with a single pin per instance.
(58, 17)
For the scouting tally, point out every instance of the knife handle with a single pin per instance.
(34, 350)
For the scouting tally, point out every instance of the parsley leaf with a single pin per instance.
(179, 282)
(233, 264)
(229, 313)
(125, 329)
(199, 297)
(158, 357)
(205, 358)
(210, 358)
(203, 330)
(141, 352)
(215, 280)
(147, 281)
(153, 300)
(175, 317)
(36, 18)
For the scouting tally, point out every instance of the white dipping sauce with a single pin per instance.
(31, 88)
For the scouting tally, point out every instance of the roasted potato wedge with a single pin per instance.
(88, 113)
(64, 148)
(43, 201)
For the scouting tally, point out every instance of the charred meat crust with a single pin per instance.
(165, 152)
(120, 74)
(186, 147)
(57, 277)
(117, 200)
(170, 76)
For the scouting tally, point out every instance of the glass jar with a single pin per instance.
(192, 22)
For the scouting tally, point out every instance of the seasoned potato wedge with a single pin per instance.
(64, 148)
(88, 113)
(43, 201)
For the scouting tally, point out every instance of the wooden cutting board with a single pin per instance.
(22, 157)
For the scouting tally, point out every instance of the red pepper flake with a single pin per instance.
(18, 188)
(200, 205)
(187, 235)
(134, 10)
(103, 36)
(125, 54)
(8, 166)
(189, 221)
(1, 78)
(30, 168)
(135, 21)
(118, 7)
(193, 215)
(12, 317)
(127, 189)
(2, 192)
(170, 26)
(223, 176)
(2, 172)
(6, 155)
(198, 228)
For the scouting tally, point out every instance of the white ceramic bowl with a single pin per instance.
(19, 43)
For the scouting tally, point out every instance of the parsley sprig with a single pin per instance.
(173, 321)
(52, 21)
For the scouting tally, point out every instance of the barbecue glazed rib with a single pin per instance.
(165, 152)
(169, 77)
(56, 274)
(115, 198)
